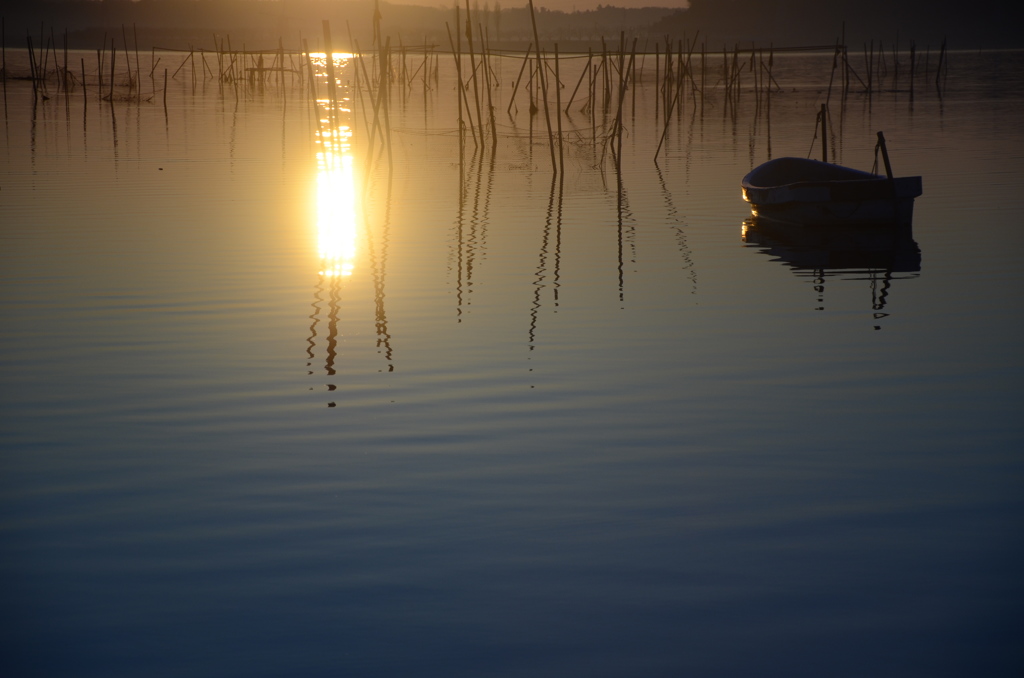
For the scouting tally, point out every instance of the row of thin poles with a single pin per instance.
(877, 67)
(607, 82)
(234, 66)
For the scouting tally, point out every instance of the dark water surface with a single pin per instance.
(480, 423)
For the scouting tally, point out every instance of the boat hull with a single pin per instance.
(801, 191)
(892, 211)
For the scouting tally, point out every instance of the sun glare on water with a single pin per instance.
(336, 205)
(336, 192)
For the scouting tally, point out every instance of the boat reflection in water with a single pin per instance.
(878, 254)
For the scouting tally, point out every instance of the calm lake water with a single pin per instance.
(265, 414)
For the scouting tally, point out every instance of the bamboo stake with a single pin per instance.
(472, 64)
(64, 77)
(32, 68)
(138, 69)
(583, 74)
(703, 75)
(942, 62)
(3, 56)
(113, 60)
(331, 80)
(558, 111)
(99, 73)
(463, 101)
(127, 58)
(657, 76)
(896, 63)
(593, 113)
(386, 54)
(632, 66)
(515, 89)
(490, 103)
(823, 116)
(885, 155)
(607, 77)
(47, 46)
(544, 88)
(371, 92)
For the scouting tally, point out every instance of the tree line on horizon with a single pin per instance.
(266, 24)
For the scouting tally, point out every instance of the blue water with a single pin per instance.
(545, 429)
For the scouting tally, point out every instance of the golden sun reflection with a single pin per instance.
(319, 59)
(336, 195)
(336, 207)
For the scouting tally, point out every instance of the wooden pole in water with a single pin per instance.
(127, 59)
(846, 74)
(544, 88)
(942, 61)
(666, 87)
(64, 76)
(331, 82)
(703, 74)
(558, 110)
(32, 67)
(913, 54)
(463, 98)
(626, 68)
(371, 92)
(657, 79)
(113, 61)
(896, 63)
(311, 89)
(683, 67)
(593, 96)
(472, 70)
(867, 68)
(138, 68)
(490, 101)
(206, 66)
(41, 66)
(49, 46)
(632, 76)
(885, 155)
(515, 88)
(460, 92)
(579, 82)
(823, 115)
(385, 79)
(607, 77)
(99, 74)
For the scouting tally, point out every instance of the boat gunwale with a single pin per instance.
(849, 184)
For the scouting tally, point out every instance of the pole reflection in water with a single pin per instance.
(553, 221)
(471, 238)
